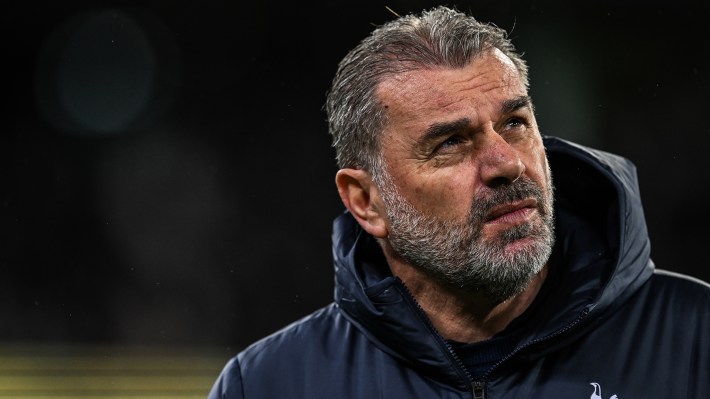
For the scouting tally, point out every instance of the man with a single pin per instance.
(449, 280)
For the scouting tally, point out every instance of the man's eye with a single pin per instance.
(515, 122)
(451, 141)
(448, 146)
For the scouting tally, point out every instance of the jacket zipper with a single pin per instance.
(517, 350)
(478, 388)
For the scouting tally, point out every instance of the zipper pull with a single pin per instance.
(479, 390)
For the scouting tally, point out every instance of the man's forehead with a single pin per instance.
(490, 78)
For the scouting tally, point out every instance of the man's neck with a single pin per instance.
(461, 316)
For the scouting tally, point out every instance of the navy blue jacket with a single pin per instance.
(612, 327)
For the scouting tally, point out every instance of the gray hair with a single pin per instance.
(440, 37)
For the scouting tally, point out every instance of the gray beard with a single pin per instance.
(454, 252)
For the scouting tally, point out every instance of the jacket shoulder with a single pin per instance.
(229, 382)
(283, 353)
(679, 287)
(293, 341)
(675, 302)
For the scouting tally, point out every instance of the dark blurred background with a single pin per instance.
(166, 172)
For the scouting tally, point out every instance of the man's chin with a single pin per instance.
(511, 241)
(520, 245)
(501, 292)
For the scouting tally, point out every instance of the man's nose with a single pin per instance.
(499, 163)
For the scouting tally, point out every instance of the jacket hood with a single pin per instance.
(602, 189)
(603, 251)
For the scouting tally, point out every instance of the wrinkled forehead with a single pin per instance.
(490, 78)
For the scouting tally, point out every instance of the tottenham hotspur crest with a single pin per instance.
(597, 394)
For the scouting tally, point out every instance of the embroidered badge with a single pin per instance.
(597, 394)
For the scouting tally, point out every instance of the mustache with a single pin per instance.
(521, 189)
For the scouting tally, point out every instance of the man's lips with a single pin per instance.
(513, 212)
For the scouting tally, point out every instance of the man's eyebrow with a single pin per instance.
(437, 130)
(515, 104)
(441, 129)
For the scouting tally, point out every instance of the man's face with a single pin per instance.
(467, 189)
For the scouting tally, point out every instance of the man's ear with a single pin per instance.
(361, 197)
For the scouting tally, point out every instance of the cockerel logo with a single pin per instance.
(597, 394)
